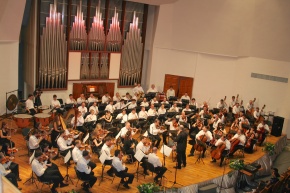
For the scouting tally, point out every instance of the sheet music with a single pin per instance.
(31, 157)
(86, 138)
(103, 158)
(67, 157)
(165, 150)
(139, 155)
(145, 134)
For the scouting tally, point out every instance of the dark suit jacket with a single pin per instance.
(181, 140)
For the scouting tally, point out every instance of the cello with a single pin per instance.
(200, 145)
(217, 153)
(234, 143)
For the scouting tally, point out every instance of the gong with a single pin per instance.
(12, 102)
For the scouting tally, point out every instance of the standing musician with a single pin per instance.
(250, 106)
(106, 149)
(185, 97)
(152, 89)
(122, 116)
(55, 104)
(138, 89)
(92, 99)
(56, 129)
(117, 163)
(117, 97)
(34, 141)
(224, 153)
(152, 111)
(144, 103)
(236, 110)
(242, 140)
(133, 115)
(71, 100)
(46, 173)
(62, 144)
(85, 171)
(144, 146)
(221, 104)
(5, 137)
(110, 107)
(257, 113)
(129, 145)
(170, 92)
(154, 131)
(30, 106)
(120, 104)
(174, 108)
(155, 161)
(79, 123)
(77, 154)
(83, 109)
(106, 98)
(181, 141)
(132, 104)
(204, 133)
(37, 93)
(82, 99)
(234, 101)
(95, 108)
(12, 177)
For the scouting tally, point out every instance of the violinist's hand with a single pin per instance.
(49, 164)
(45, 166)
(72, 146)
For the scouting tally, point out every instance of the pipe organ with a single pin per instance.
(95, 36)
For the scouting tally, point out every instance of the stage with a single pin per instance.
(190, 177)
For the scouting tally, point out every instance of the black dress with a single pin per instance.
(5, 140)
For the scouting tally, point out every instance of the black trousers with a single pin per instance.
(54, 135)
(44, 141)
(131, 153)
(164, 137)
(154, 139)
(144, 163)
(109, 162)
(8, 141)
(92, 165)
(12, 178)
(123, 174)
(160, 171)
(51, 174)
(181, 158)
(32, 112)
(14, 167)
(92, 179)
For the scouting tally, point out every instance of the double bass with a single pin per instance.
(234, 143)
(217, 153)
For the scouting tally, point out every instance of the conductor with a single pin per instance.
(181, 141)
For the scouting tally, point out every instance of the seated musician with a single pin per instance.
(117, 97)
(45, 172)
(185, 97)
(193, 103)
(55, 104)
(9, 174)
(135, 97)
(244, 122)
(97, 142)
(122, 116)
(236, 110)
(154, 101)
(82, 99)
(164, 101)
(204, 112)
(34, 141)
(91, 117)
(251, 141)
(152, 89)
(120, 104)
(155, 161)
(263, 129)
(117, 163)
(92, 99)
(132, 104)
(129, 145)
(106, 98)
(133, 115)
(85, 171)
(225, 152)
(220, 104)
(143, 113)
(161, 112)
(107, 117)
(216, 121)
(144, 146)
(83, 109)
(186, 108)
(110, 107)
(5, 137)
(71, 135)
(144, 103)
(78, 124)
(174, 108)
(257, 113)
(170, 92)
(172, 123)
(95, 108)
(125, 129)
(183, 120)
(50, 154)
(43, 133)
(235, 127)
(152, 111)
(106, 149)
(242, 140)
(127, 97)
(138, 89)
(154, 132)
(77, 154)
(204, 133)
(62, 144)
(70, 100)
(30, 106)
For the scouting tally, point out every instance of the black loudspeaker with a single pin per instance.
(277, 126)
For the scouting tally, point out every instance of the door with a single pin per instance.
(185, 85)
(171, 80)
(77, 90)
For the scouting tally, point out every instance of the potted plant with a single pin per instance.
(148, 188)
(237, 164)
(269, 148)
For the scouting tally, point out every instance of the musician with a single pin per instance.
(143, 113)
(82, 99)
(120, 105)
(250, 142)
(203, 112)
(106, 149)
(155, 161)
(92, 99)
(205, 131)
(174, 108)
(263, 129)
(152, 89)
(46, 173)
(50, 154)
(236, 110)
(8, 173)
(132, 104)
(77, 154)
(37, 93)
(240, 136)
(106, 98)
(5, 137)
(30, 106)
(161, 110)
(186, 108)
(183, 119)
(263, 124)
(144, 103)
(244, 122)
(62, 144)
(83, 109)
(152, 111)
(117, 163)
(144, 146)
(117, 97)
(133, 115)
(170, 92)
(125, 129)
(97, 142)
(110, 107)
(216, 121)
(250, 106)
(173, 126)
(193, 103)
(71, 100)
(181, 141)
(107, 117)
(138, 89)
(129, 145)
(234, 101)
(34, 141)
(55, 104)
(127, 97)
(79, 123)
(85, 171)
(95, 108)
(154, 101)
(185, 97)
(91, 117)
(164, 101)
(221, 104)
(56, 129)
(224, 153)
(257, 113)
(194, 130)
(154, 131)
(123, 116)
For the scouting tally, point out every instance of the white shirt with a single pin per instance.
(138, 90)
(131, 105)
(228, 143)
(105, 99)
(76, 154)
(174, 109)
(92, 99)
(152, 112)
(81, 100)
(242, 139)
(257, 114)
(186, 109)
(215, 123)
(143, 115)
(207, 134)
(152, 90)
(236, 110)
(115, 98)
(55, 103)
(185, 97)
(170, 93)
(124, 130)
(107, 151)
(220, 105)
(153, 130)
(70, 101)
(171, 127)
(193, 104)
(119, 105)
(33, 142)
(110, 108)
(266, 127)
(3, 171)
(80, 121)
(249, 106)
(161, 111)
(142, 147)
(154, 159)
(90, 118)
(38, 168)
(29, 104)
(83, 110)
(62, 144)
(123, 117)
(118, 164)
(132, 116)
(144, 104)
(135, 97)
(95, 108)
(82, 166)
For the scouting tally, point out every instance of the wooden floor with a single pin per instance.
(192, 174)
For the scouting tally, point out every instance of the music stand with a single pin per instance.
(139, 155)
(172, 98)
(116, 122)
(32, 179)
(175, 175)
(151, 119)
(66, 161)
(102, 159)
(200, 158)
(192, 107)
(171, 114)
(133, 122)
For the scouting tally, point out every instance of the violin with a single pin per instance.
(175, 125)
(12, 150)
(85, 147)
(6, 159)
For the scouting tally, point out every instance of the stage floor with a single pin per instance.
(193, 173)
